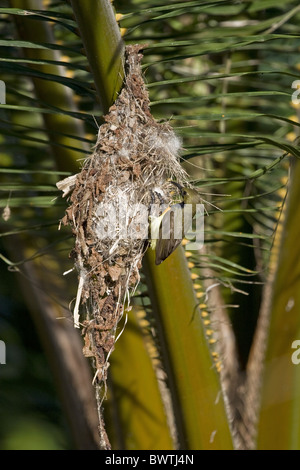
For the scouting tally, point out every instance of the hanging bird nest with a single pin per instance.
(109, 209)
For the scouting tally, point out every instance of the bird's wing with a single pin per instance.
(165, 246)
(164, 249)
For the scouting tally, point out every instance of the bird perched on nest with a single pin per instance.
(168, 226)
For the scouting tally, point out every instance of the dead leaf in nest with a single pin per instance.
(109, 343)
(104, 147)
(67, 185)
(69, 213)
(123, 162)
(114, 272)
(106, 304)
(64, 220)
(103, 290)
(87, 349)
(124, 177)
(103, 180)
(136, 169)
(133, 278)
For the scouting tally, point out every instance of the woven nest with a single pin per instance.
(133, 159)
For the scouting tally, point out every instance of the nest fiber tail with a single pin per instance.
(132, 161)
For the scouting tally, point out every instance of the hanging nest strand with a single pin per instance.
(128, 171)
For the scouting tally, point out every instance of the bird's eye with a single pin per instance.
(183, 193)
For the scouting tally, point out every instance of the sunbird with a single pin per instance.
(170, 227)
